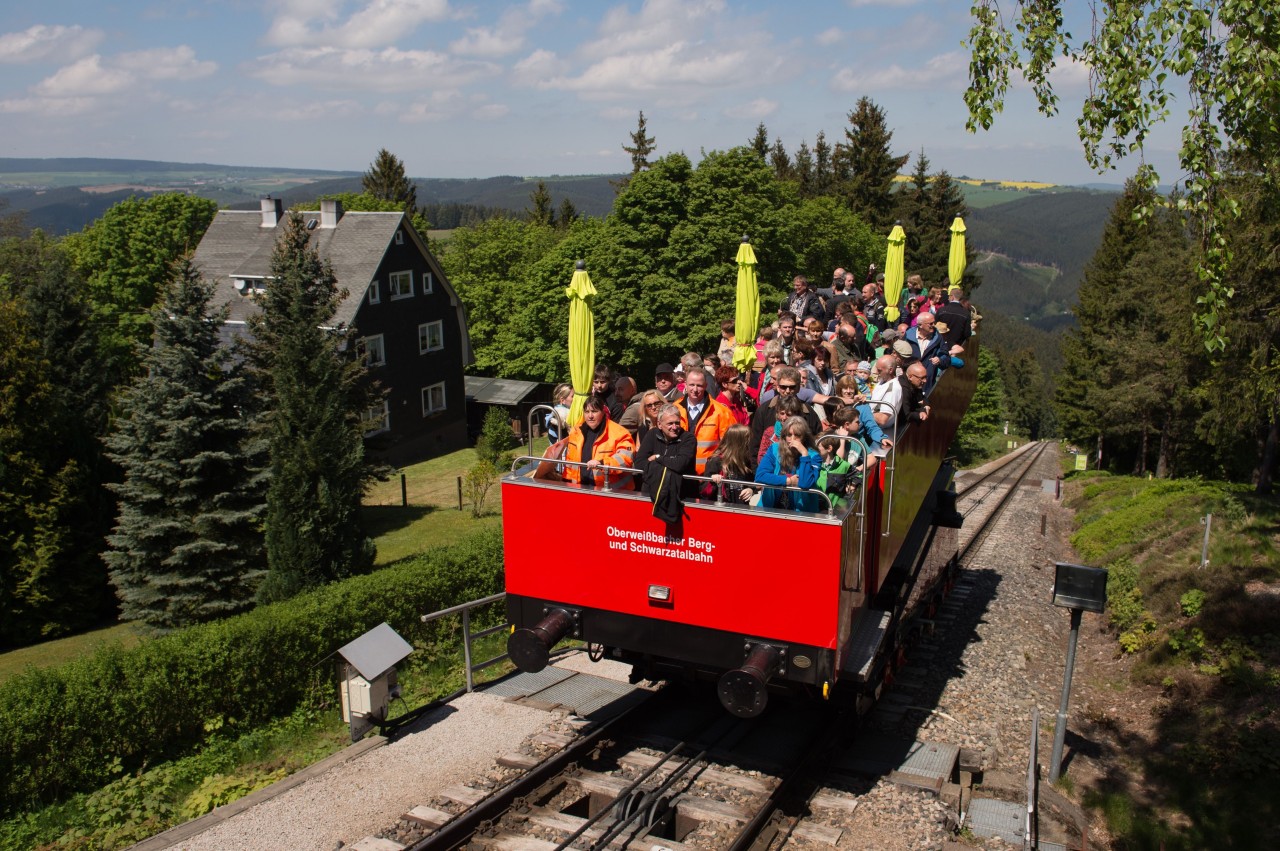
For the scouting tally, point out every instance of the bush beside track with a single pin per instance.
(77, 726)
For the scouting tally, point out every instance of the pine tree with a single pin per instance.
(186, 547)
(641, 146)
(760, 142)
(867, 165)
(318, 391)
(542, 212)
(386, 181)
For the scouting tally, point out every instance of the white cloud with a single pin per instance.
(678, 72)
(829, 37)
(87, 76)
(52, 107)
(758, 108)
(507, 36)
(538, 68)
(388, 69)
(377, 23)
(945, 71)
(319, 110)
(491, 112)
(165, 63)
(658, 24)
(438, 106)
(42, 42)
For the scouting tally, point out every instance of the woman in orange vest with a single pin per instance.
(600, 442)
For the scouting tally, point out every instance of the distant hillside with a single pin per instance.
(1032, 251)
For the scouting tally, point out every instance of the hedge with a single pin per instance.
(77, 726)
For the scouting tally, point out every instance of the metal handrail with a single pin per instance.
(551, 410)
(516, 463)
(891, 461)
(465, 610)
(862, 502)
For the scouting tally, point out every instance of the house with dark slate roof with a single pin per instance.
(411, 324)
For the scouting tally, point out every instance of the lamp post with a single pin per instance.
(1080, 589)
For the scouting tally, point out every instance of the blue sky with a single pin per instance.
(473, 89)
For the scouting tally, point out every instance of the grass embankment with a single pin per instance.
(1206, 642)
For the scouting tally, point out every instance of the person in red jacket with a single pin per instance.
(603, 444)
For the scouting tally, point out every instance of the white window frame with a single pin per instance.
(375, 292)
(393, 283)
(428, 283)
(377, 419)
(424, 336)
(428, 408)
(372, 350)
(400, 237)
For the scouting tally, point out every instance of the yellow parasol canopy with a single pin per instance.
(956, 261)
(582, 339)
(895, 271)
(746, 314)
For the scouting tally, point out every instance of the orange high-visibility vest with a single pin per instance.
(711, 428)
(614, 448)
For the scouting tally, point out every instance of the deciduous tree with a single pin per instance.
(127, 257)
(1139, 54)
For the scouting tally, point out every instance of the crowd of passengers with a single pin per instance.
(834, 383)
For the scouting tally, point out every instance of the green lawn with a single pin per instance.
(65, 649)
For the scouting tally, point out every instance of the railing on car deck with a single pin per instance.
(467, 635)
(553, 412)
(609, 471)
(862, 500)
(891, 462)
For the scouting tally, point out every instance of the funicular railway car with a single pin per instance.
(757, 599)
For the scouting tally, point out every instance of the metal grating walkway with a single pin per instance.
(991, 818)
(585, 695)
(877, 758)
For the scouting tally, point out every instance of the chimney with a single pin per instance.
(330, 213)
(272, 211)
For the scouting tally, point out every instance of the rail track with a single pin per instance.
(676, 773)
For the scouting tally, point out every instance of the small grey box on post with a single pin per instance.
(369, 677)
(1076, 586)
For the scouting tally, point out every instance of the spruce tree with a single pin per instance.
(641, 146)
(542, 212)
(187, 546)
(780, 160)
(568, 214)
(823, 168)
(867, 164)
(760, 142)
(802, 170)
(318, 391)
(386, 181)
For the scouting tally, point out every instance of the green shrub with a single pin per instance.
(1191, 603)
(78, 726)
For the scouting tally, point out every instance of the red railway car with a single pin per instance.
(757, 599)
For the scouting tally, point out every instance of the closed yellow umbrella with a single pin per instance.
(746, 314)
(895, 271)
(955, 260)
(582, 339)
